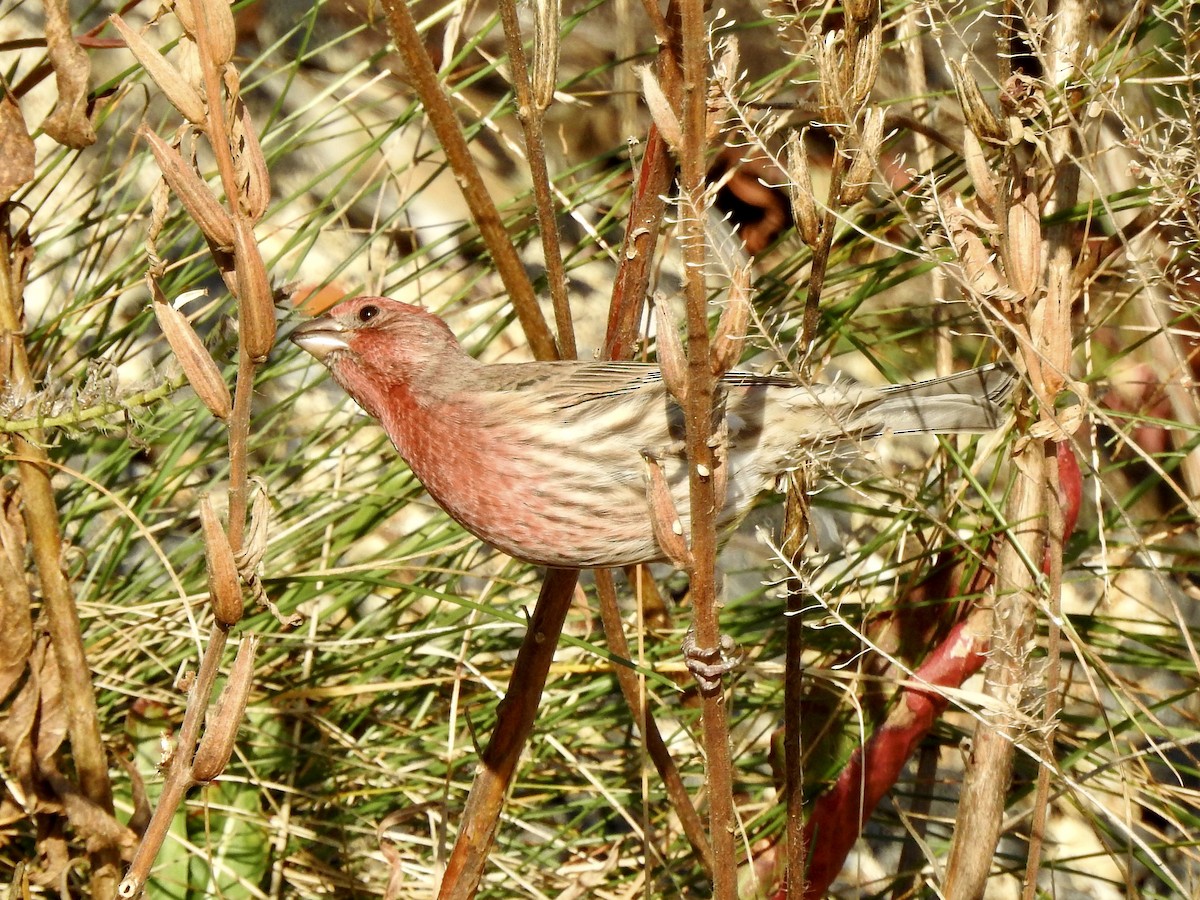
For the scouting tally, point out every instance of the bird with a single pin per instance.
(547, 461)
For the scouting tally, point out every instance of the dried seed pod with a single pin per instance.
(800, 190)
(861, 11)
(224, 583)
(186, 15)
(660, 110)
(862, 166)
(730, 338)
(198, 365)
(671, 359)
(1022, 240)
(547, 14)
(865, 67)
(191, 190)
(830, 64)
(221, 727)
(167, 76)
(256, 305)
(978, 262)
(979, 116)
(987, 192)
(664, 517)
(221, 33)
(251, 167)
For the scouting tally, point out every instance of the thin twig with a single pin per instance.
(424, 78)
(532, 116)
(656, 747)
(514, 723)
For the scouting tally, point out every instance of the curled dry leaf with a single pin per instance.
(166, 75)
(866, 64)
(830, 65)
(224, 586)
(186, 15)
(68, 123)
(256, 305)
(16, 623)
(16, 149)
(198, 365)
(664, 517)
(978, 262)
(191, 190)
(220, 728)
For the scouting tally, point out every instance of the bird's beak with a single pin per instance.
(320, 337)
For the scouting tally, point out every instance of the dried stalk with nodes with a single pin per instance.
(213, 109)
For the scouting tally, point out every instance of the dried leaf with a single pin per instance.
(866, 64)
(186, 15)
(979, 116)
(977, 260)
(16, 623)
(166, 75)
(987, 191)
(68, 123)
(16, 149)
(862, 166)
(730, 338)
(664, 517)
(52, 713)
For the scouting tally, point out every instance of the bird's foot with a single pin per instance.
(709, 665)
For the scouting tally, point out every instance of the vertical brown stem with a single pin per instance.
(698, 411)
(514, 722)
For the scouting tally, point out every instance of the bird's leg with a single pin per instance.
(709, 665)
(664, 517)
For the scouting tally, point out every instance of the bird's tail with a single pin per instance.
(968, 402)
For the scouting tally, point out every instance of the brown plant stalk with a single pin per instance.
(62, 616)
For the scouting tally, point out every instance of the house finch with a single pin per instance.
(546, 461)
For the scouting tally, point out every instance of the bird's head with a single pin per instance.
(374, 346)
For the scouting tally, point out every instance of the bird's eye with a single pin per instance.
(367, 313)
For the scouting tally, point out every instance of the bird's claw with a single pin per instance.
(709, 665)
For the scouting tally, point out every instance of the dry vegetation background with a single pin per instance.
(991, 657)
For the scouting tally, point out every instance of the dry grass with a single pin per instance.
(992, 655)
